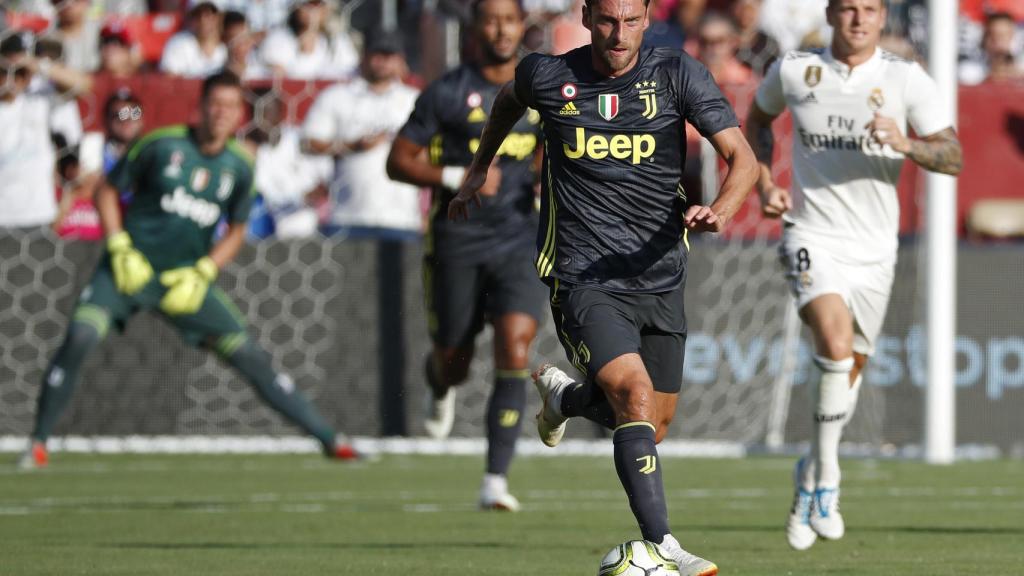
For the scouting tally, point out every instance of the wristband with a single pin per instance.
(452, 177)
(207, 268)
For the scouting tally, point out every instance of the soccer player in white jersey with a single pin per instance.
(850, 105)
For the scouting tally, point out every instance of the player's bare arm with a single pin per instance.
(339, 148)
(743, 173)
(939, 152)
(108, 207)
(775, 201)
(408, 162)
(225, 250)
(505, 112)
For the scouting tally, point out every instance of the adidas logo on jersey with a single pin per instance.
(809, 99)
(569, 110)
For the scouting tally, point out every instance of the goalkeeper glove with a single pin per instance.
(186, 287)
(131, 269)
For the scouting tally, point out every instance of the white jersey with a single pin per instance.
(362, 192)
(844, 183)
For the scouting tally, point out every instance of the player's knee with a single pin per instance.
(513, 352)
(88, 327)
(632, 400)
(453, 364)
(836, 346)
(229, 346)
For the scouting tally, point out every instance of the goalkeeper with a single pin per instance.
(161, 256)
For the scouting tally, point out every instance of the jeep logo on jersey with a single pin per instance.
(876, 100)
(227, 182)
(608, 106)
(195, 209)
(200, 179)
(812, 76)
(634, 147)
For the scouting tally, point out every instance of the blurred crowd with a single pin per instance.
(325, 174)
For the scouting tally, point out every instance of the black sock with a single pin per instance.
(504, 418)
(278, 390)
(62, 374)
(636, 461)
(586, 399)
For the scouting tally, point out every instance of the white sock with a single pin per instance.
(829, 417)
(853, 394)
(494, 484)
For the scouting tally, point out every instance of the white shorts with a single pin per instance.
(814, 266)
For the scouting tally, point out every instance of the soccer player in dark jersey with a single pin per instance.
(479, 270)
(612, 244)
(161, 256)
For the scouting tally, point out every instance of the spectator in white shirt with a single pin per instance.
(355, 123)
(78, 34)
(241, 43)
(1000, 53)
(293, 184)
(304, 49)
(199, 50)
(27, 154)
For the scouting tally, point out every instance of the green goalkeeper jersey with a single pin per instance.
(178, 195)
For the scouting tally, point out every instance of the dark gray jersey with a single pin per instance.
(612, 205)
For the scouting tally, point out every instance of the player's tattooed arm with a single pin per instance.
(505, 112)
(939, 152)
(774, 200)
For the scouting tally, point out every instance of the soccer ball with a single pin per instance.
(637, 558)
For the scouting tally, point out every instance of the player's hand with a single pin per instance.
(187, 287)
(131, 269)
(775, 201)
(885, 131)
(702, 219)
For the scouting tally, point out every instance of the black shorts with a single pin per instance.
(461, 297)
(596, 326)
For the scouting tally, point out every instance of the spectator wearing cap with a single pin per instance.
(120, 56)
(304, 49)
(199, 50)
(27, 153)
(355, 123)
(241, 42)
(756, 49)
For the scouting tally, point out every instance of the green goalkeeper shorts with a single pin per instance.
(101, 304)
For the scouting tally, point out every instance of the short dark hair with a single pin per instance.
(224, 78)
(13, 44)
(589, 3)
(477, 4)
(997, 16)
(232, 18)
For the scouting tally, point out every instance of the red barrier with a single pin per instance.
(991, 130)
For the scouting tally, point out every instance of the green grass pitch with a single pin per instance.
(301, 515)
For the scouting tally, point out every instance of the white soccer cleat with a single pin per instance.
(798, 524)
(550, 382)
(825, 518)
(494, 494)
(689, 565)
(440, 414)
(504, 502)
